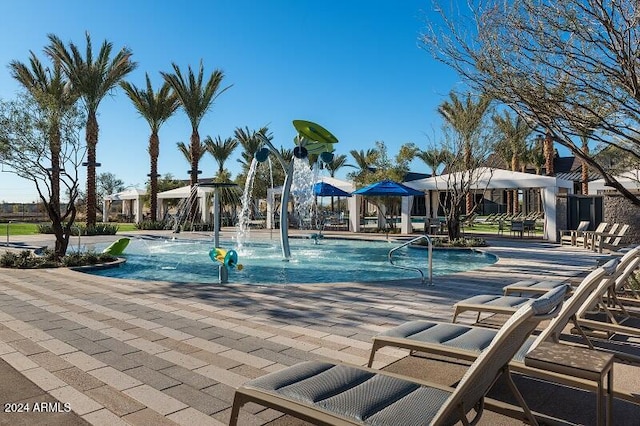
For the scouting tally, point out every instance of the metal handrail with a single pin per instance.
(430, 250)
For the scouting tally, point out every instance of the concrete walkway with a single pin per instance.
(135, 352)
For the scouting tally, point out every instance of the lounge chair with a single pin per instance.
(496, 304)
(465, 342)
(609, 240)
(327, 393)
(604, 311)
(532, 287)
(569, 235)
(586, 239)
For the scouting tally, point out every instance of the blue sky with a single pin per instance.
(355, 67)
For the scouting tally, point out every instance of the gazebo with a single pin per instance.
(131, 203)
(485, 178)
(183, 193)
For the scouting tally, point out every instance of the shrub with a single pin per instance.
(97, 229)
(26, 259)
(151, 225)
(460, 242)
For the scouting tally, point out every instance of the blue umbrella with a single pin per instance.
(323, 189)
(387, 188)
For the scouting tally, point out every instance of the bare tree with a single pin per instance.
(25, 135)
(463, 172)
(560, 64)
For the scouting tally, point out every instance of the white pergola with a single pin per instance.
(486, 178)
(185, 192)
(629, 180)
(131, 203)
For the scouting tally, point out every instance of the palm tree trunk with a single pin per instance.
(53, 207)
(548, 154)
(92, 142)
(154, 152)
(195, 158)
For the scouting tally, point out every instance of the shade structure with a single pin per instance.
(314, 132)
(387, 188)
(323, 189)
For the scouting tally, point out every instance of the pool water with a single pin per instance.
(325, 262)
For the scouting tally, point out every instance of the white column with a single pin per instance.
(427, 204)
(105, 210)
(405, 215)
(138, 210)
(354, 213)
(203, 207)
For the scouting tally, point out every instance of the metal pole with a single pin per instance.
(216, 217)
(8, 223)
(284, 214)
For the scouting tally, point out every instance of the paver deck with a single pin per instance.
(135, 352)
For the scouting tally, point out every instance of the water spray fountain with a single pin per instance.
(312, 139)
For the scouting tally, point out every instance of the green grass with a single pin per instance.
(18, 229)
(32, 228)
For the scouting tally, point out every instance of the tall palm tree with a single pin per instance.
(221, 150)
(188, 152)
(196, 98)
(514, 134)
(156, 108)
(93, 79)
(466, 117)
(549, 153)
(54, 95)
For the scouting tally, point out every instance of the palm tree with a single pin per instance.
(156, 108)
(514, 135)
(250, 143)
(364, 161)
(433, 158)
(188, 152)
(196, 98)
(338, 162)
(93, 80)
(466, 118)
(55, 96)
(221, 150)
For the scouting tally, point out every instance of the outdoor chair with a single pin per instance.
(327, 393)
(517, 227)
(496, 304)
(465, 342)
(609, 240)
(569, 235)
(532, 287)
(529, 226)
(586, 239)
(605, 312)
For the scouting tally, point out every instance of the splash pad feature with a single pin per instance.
(117, 247)
(312, 139)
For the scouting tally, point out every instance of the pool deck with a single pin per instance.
(134, 352)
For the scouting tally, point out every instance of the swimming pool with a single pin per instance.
(328, 261)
